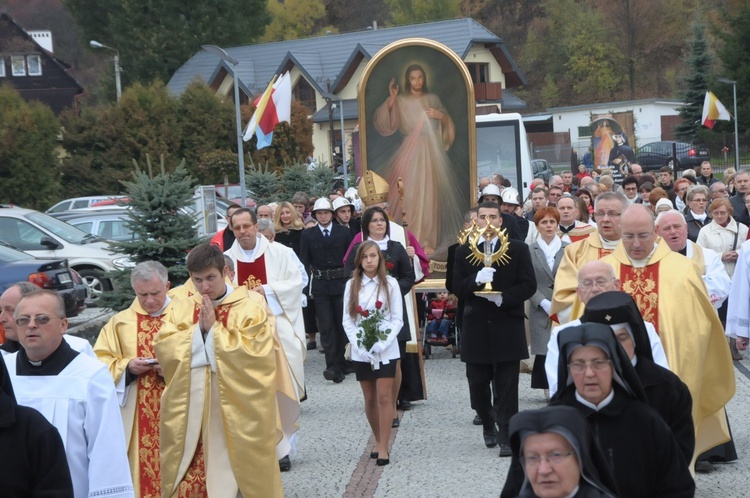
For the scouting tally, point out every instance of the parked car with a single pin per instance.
(45, 237)
(541, 169)
(79, 203)
(233, 192)
(654, 155)
(52, 274)
(111, 224)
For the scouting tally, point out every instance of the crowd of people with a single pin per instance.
(624, 294)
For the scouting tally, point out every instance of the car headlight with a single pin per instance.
(121, 263)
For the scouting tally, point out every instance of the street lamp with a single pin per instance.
(223, 55)
(118, 69)
(736, 135)
(343, 141)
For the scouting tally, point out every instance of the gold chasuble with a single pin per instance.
(671, 295)
(130, 334)
(565, 304)
(219, 409)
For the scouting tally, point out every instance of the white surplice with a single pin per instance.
(81, 403)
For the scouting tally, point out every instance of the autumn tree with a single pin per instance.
(291, 19)
(156, 38)
(415, 11)
(28, 155)
(735, 58)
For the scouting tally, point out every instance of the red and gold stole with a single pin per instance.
(643, 285)
(604, 252)
(252, 274)
(150, 388)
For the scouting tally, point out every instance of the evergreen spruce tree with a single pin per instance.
(699, 64)
(296, 179)
(323, 181)
(162, 232)
(264, 183)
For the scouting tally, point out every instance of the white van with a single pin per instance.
(502, 147)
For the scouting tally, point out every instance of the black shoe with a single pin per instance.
(490, 438)
(285, 464)
(405, 405)
(373, 455)
(339, 378)
(396, 423)
(382, 461)
(505, 450)
(477, 420)
(349, 369)
(704, 467)
(312, 345)
(329, 374)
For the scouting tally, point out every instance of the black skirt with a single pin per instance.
(364, 370)
(538, 374)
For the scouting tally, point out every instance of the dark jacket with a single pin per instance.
(32, 460)
(491, 334)
(398, 265)
(694, 226)
(325, 253)
(739, 211)
(702, 180)
(290, 238)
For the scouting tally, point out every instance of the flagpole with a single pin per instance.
(222, 54)
(736, 133)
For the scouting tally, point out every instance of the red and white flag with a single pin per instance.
(272, 108)
(713, 110)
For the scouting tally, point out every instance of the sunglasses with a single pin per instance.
(38, 319)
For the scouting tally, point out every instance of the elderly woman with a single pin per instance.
(598, 379)
(696, 198)
(725, 236)
(546, 253)
(559, 455)
(655, 196)
(663, 204)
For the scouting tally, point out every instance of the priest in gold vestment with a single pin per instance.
(125, 345)
(671, 295)
(220, 420)
(608, 208)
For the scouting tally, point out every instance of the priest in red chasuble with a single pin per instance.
(671, 294)
(271, 270)
(226, 380)
(125, 345)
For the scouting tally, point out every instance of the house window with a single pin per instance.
(34, 63)
(18, 65)
(584, 131)
(2, 66)
(480, 73)
(305, 94)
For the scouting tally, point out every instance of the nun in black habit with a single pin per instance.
(665, 392)
(639, 447)
(32, 460)
(586, 468)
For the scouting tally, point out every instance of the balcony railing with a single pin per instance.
(488, 91)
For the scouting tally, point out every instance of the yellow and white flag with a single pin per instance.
(713, 110)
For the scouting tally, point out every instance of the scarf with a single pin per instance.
(550, 250)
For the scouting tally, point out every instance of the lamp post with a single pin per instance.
(736, 134)
(118, 69)
(223, 55)
(343, 142)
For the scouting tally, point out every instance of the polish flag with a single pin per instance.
(713, 110)
(271, 108)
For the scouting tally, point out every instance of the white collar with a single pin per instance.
(642, 263)
(328, 227)
(601, 405)
(161, 311)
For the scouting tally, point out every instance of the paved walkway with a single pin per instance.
(437, 451)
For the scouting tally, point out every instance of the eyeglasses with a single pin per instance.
(599, 282)
(610, 214)
(631, 189)
(554, 458)
(630, 237)
(38, 319)
(596, 365)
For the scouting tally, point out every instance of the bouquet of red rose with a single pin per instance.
(369, 326)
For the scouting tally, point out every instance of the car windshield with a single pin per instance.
(7, 255)
(60, 228)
